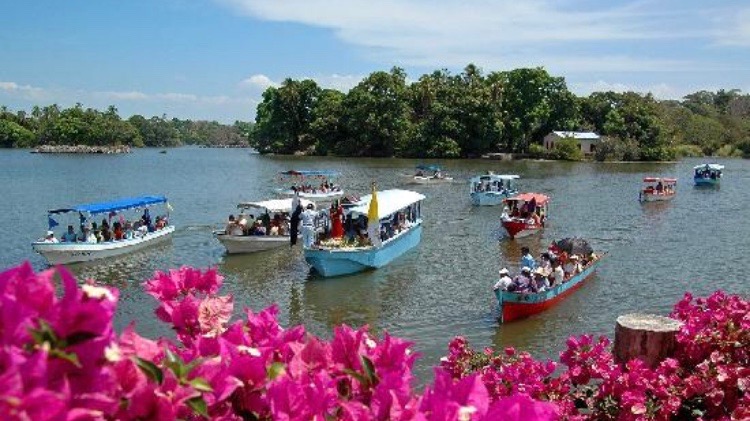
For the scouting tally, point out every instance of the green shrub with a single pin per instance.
(616, 149)
(744, 146)
(688, 151)
(537, 151)
(728, 151)
(567, 150)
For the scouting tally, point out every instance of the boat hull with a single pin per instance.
(520, 229)
(415, 179)
(490, 198)
(518, 306)
(337, 262)
(652, 197)
(239, 244)
(64, 253)
(700, 181)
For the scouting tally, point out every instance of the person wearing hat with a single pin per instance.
(50, 238)
(540, 283)
(572, 266)
(504, 282)
(522, 281)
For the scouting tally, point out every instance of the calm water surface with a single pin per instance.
(698, 242)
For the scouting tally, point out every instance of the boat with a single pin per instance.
(397, 230)
(311, 184)
(491, 189)
(277, 209)
(707, 174)
(514, 306)
(520, 221)
(428, 174)
(73, 252)
(657, 189)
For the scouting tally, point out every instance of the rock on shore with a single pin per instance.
(81, 149)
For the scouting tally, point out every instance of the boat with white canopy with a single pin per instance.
(491, 189)
(243, 234)
(707, 174)
(80, 249)
(310, 184)
(656, 189)
(380, 227)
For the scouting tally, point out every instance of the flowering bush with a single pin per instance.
(60, 359)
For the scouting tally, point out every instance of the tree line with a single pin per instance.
(53, 125)
(444, 115)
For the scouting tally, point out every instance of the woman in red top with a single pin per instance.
(337, 223)
(117, 231)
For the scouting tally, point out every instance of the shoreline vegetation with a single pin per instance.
(440, 115)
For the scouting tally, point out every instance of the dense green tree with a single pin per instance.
(282, 122)
(326, 130)
(14, 135)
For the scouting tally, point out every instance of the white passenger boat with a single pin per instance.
(313, 184)
(428, 174)
(245, 241)
(393, 222)
(73, 252)
(657, 189)
(491, 189)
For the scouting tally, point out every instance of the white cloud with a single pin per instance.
(659, 90)
(259, 82)
(341, 83)
(735, 29)
(24, 91)
(498, 33)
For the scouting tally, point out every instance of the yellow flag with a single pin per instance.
(373, 221)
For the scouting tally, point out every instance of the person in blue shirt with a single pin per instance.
(70, 236)
(527, 260)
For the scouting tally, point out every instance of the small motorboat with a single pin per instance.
(428, 174)
(239, 237)
(392, 220)
(491, 189)
(658, 189)
(707, 174)
(80, 250)
(311, 184)
(525, 214)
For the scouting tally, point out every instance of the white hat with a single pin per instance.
(504, 271)
(50, 233)
(525, 269)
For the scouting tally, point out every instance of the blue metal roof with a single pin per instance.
(308, 173)
(116, 205)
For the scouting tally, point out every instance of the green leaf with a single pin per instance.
(67, 356)
(200, 384)
(149, 369)
(198, 405)
(175, 363)
(275, 370)
(370, 373)
(359, 376)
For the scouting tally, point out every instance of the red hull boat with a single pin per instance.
(522, 221)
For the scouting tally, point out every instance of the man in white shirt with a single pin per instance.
(308, 225)
(504, 281)
(558, 273)
(50, 238)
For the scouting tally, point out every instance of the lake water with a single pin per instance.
(698, 242)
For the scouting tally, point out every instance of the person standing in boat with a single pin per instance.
(294, 224)
(527, 260)
(337, 225)
(308, 225)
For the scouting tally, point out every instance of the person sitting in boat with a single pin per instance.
(128, 234)
(504, 282)
(545, 262)
(50, 238)
(572, 267)
(419, 173)
(70, 235)
(437, 174)
(258, 228)
(540, 282)
(105, 232)
(522, 281)
(659, 188)
(117, 232)
(89, 236)
(146, 219)
(527, 260)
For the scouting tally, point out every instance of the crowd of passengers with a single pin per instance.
(660, 188)
(528, 211)
(265, 224)
(707, 173)
(491, 186)
(436, 174)
(554, 268)
(106, 231)
(324, 187)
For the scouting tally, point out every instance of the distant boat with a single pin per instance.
(311, 184)
(658, 189)
(163, 151)
(428, 174)
(514, 306)
(72, 252)
(244, 243)
(518, 224)
(707, 174)
(491, 189)
(335, 258)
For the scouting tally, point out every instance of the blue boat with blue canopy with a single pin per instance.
(310, 184)
(93, 242)
(381, 227)
(428, 174)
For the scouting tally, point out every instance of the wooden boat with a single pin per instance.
(514, 306)
(515, 220)
(73, 252)
(315, 178)
(658, 189)
(237, 244)
(384, 243)
(707, 174)
(491, 189)
(428, 174)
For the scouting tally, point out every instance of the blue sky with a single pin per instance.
(212, 59)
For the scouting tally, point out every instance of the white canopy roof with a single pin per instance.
(709, 166)
(389, 202)
(277, 205)
(494, 177)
